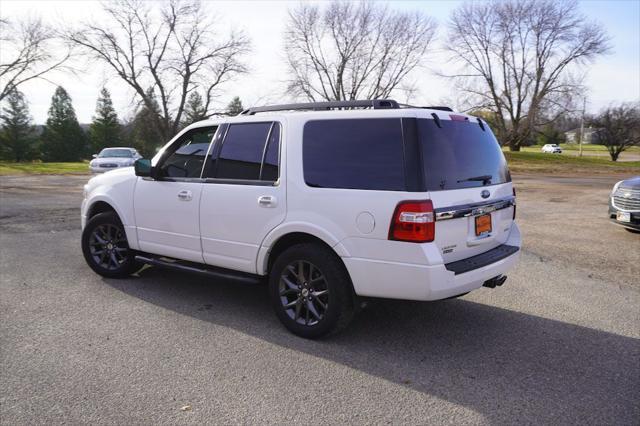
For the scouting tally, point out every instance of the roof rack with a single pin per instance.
(323, 106)
(437, 108)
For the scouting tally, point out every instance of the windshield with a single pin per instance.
(110, 153)
(460, 154)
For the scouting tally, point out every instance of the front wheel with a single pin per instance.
(105, 247)
(311, 291)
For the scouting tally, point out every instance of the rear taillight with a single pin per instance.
(514, 203)
(413, 221)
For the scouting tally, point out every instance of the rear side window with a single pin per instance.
(460, 154)
(354, 154)
(269, 170)
(244, 149)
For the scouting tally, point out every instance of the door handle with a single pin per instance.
(267, 201)
(185, 195)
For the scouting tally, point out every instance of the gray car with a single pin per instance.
(624, 204)
(113, 158)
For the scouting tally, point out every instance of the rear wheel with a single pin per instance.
(105, 247)
(310, 291)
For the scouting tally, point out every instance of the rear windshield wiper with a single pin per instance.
(485, 179)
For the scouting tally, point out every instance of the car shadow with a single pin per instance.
(504, 364)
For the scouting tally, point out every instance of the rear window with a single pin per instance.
(354, 154)
(460, 155)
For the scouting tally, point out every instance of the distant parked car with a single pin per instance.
(552, 148)
(113, 158)
(624, 204)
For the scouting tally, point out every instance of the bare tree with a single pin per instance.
(30, 49)
(350, 50)
(519, 60)
(169, 53)
(618, 128)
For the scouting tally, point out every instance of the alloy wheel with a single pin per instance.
(304, 293)
(108, 246)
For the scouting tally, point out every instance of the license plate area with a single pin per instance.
(483, 225)
(623, 216)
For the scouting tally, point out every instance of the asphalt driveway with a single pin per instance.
(557, 344)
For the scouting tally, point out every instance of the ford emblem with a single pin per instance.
(485, 193)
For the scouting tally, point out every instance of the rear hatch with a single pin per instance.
(469, 185)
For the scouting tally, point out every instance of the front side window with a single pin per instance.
(249, 152)
(188, 153)
(354, 154)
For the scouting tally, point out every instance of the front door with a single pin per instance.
(243, 195)
(167, 207)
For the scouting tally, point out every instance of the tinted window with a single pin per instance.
(188, 154)
(355, 154)
(270, 165)
(460, 151)
(242, 151)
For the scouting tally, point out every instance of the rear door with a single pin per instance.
(243, 195)
(469, 184)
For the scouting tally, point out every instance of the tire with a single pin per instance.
(316, 300)
(105, 247)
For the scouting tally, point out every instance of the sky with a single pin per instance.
(611, 79)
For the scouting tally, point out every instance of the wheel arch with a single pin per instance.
(289, 239)
(101, 204)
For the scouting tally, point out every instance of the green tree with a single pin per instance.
(194, 110)
(145, 135)
(17, 134)
(549, 134)
(235, 106)
(63, 139)
(105, 130)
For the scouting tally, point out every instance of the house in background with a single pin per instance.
(591, 135)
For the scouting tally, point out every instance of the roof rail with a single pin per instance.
(438, 108)
(322, 106)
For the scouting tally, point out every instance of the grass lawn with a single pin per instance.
(585, 148)
(37, 168)
(598, 148)
(537, 162)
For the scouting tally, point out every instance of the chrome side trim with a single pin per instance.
(475, 209)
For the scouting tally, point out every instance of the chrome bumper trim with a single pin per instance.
(475, 209)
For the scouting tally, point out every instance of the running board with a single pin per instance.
(211, 271)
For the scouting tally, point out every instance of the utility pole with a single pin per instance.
(584, 105)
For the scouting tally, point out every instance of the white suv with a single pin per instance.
(327, 201)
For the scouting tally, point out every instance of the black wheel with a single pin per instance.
(311, 291)
(105, 247)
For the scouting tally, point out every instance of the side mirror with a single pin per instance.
(142, 167)
(94, 156)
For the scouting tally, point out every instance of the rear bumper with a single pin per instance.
(374, 278)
